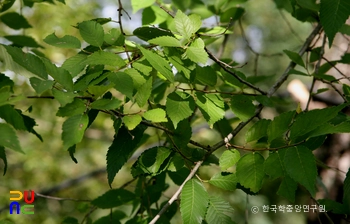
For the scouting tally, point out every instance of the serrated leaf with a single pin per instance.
(333, 14)
(295, 57)
(301, 166)
(114, 37)
(22, 41)
(106, 104)
(229, 158)
(211, 106)
(194, 202)
(131, 121)
(122, 148)
(137, 4)
(74, 65)
(219, 211)
(92, 32)
(65, 42)
(279, 125)
(8, 138)
(206, 75)
(155, 115)
(166, 41)
(333, 206)
(274, 165)
(40, 85)
(258, 130)
(63, 97)
(250, 171)
(147, 33)
(179, 105)
(144, 92)
(287, 188)
(242, 107)
(76, 107)
(113, 198)
(105, 58)
(182, 134)
(3, 157)
(223, 180)
(15, 21)
(153, 161)
(196, 52)
(60, 75)
(123, 83)
(159, 63)
(185, 25)
(73, 129)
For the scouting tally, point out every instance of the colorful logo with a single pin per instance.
(16, 196)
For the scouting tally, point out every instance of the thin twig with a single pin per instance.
(177, 193)
(59, 199)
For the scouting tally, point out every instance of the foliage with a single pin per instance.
(166, 77)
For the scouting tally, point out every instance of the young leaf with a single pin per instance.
(219, 211)
(301, 166)
(223, 180)
(179, 105)
(194, 202)
(40, 85)
(250, 171)
(123, 83)
(258, 130)
(185, 25)
(155, 115)
(242, 107)
(73, 129)
(196, 52)
(333, 14)
(137, 4)
(105, 58)
(122, 148)
(131, 121)
(295, 57)
(166, 41)
(106, 104)
(65, 42)
(113, 198)
(211, 106)
(8, 138)
(229, 158)
(3, 157)
(92, 32)
(159, 63)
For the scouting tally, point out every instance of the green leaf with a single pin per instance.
(333, 14)
(159, 63)
(154, 15)
(131, 121)
(8, 138)
(153, 161)
(70, 220)
(114, 37)
(179, 105)
(6, 5)
(123, 83)
(60, 75)
(113, 217)
(295, 57)
(196, 53)
(73, 130)
(185, 25)
(124, 144)
(206, 75)
(15, 21)
(333, 206)
(144, 92)
(63, 97)
(74, 65)
(137, 4)
(279, 126)
(250, 171)
(105, 58)
(28, 61)
(39, 85)
(258, 130)
(301, 166)
(310, 120)
(113, 198)
(229, 158)
(92, 32)
(211, 106)
(3, 157)
(106, 104)
(148, 33)
(242, 107)
(182, 134)
(65, 42)
(345, 29)
(155, 115)
(194, 202)
(274, 165)
(223, 180)
(346, 190)
(287, 188)
(76, 107)
(219, 211)
(22, 41)
(166, 41)
(234, 13)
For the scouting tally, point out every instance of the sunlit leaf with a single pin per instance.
(73, 129)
